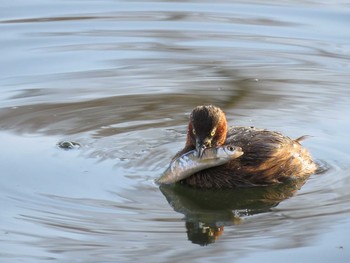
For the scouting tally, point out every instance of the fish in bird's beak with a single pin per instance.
(201, 145)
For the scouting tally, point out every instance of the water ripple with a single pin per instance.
(120, 78)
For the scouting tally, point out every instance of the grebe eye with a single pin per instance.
(194, 131)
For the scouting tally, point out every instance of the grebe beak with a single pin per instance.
(200, 146)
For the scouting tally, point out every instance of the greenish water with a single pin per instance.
(120, 78)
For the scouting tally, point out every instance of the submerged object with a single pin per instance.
(190, 163)
(68, 145)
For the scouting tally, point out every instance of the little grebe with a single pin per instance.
(269, 157)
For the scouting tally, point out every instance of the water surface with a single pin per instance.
(120, 78)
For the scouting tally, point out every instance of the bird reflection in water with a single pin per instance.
(208, 211)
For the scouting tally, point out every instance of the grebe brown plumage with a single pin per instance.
(269, 157)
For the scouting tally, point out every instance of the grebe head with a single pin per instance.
(207, 128)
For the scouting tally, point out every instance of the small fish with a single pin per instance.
(189, 163)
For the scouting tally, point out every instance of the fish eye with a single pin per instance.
(194, 131)
(230, 148)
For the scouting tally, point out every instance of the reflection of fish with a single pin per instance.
(189, 163)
